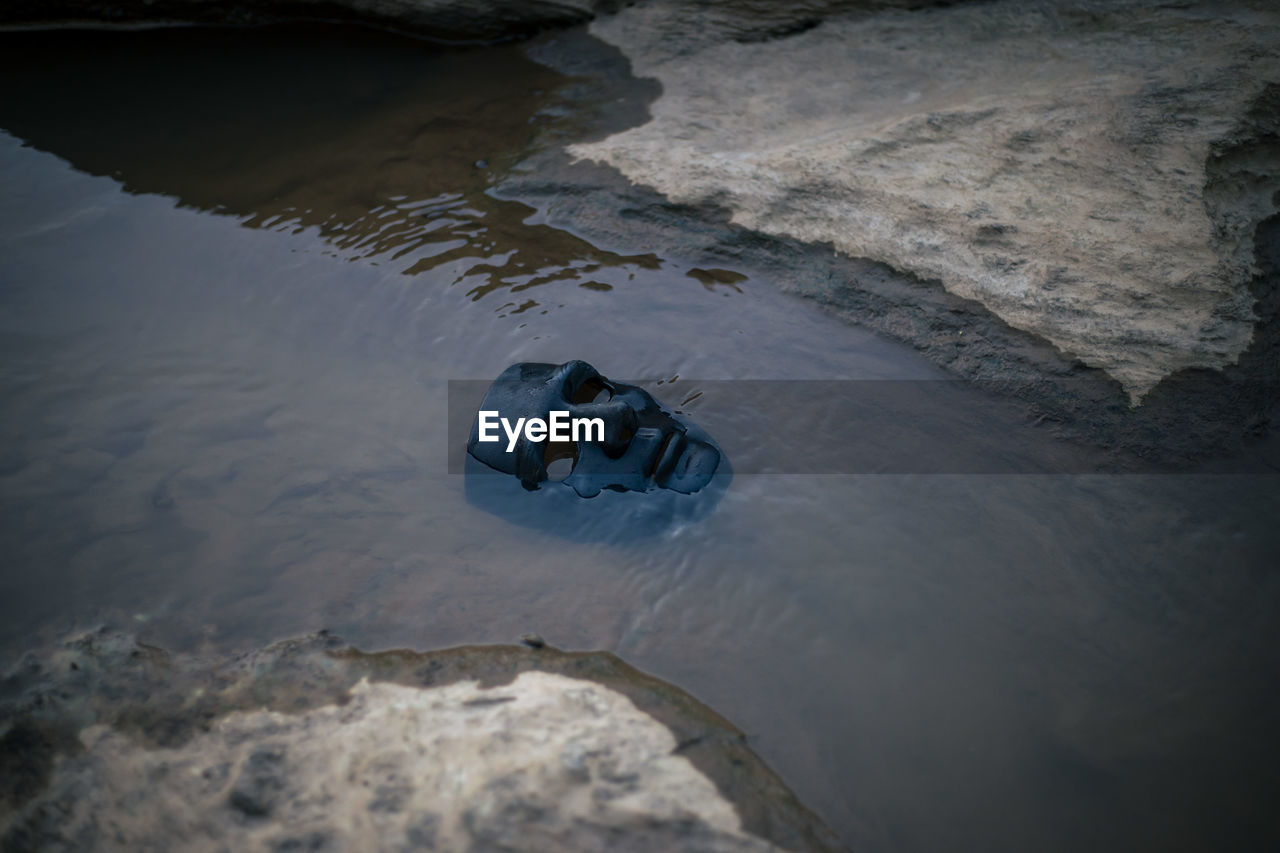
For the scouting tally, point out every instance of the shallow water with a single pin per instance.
(237, 272)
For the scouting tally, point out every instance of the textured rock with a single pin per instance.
(546, 762)
(1090, 172)
(112, 745)
(452, 20)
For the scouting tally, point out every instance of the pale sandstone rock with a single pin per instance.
(107, 743)
(545, 762)
(1090, 172)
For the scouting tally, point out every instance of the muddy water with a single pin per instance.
(238, 270)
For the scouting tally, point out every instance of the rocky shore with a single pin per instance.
(1079, 212)
(109, 744)
(1092, 173)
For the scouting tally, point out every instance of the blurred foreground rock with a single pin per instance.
(107, 744)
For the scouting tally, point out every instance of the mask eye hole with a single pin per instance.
(559, 458)
(594, 390)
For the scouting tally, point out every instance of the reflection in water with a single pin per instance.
(621, 518)
(388, 160)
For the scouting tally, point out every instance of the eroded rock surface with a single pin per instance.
(1092, 173)
(547, 762)
(306, 745)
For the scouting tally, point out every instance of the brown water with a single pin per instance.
(238, 269)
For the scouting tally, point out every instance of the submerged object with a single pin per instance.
(629, 442)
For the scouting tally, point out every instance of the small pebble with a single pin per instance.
(533, 641)
(482, 164)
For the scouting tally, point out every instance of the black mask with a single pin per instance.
(644, 445)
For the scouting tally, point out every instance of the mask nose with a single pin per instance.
(619, 424)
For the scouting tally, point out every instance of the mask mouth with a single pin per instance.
(694, 469)
(643, 445)
(668, 460)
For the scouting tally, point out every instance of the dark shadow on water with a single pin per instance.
(383, 144)
(614, 517)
